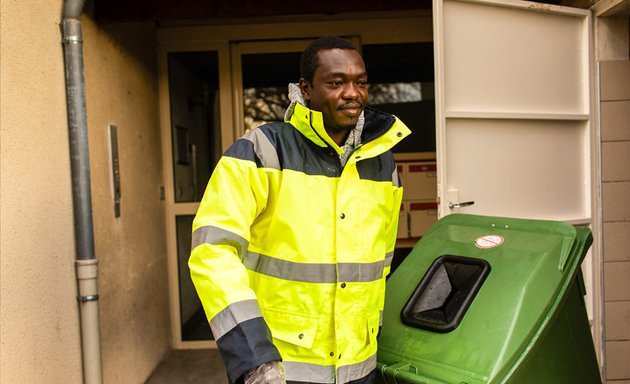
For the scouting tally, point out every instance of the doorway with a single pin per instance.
(214, 91)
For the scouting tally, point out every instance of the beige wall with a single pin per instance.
(121, 89)
(40, 339)
(39, 320)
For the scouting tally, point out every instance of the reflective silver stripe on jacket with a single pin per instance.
(215, 235)
(314, 373)
(389, 257)
(264, 149)
(356, 371)
(395, 177)
(233, 315)
(315, 272)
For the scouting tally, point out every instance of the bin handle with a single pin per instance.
(452, 205)
(397, 367)
(383, 369)
(404, 366)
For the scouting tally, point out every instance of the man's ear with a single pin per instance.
(305, 87)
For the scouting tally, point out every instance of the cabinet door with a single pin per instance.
(515, 119)
(514, 109)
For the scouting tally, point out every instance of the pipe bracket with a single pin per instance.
(88, 298)
(73, 39)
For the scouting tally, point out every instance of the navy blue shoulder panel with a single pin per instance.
(245, 347)
(250, 146)
(379, 168)
(244, 150)
(293, 150)
(271, 130)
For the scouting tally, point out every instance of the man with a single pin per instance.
(296, 231)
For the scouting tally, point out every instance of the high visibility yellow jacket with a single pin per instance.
(290, 250)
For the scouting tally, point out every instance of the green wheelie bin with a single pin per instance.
(489, 300)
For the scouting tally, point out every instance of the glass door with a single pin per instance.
(196, 116)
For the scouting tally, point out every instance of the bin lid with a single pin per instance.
(533, 263)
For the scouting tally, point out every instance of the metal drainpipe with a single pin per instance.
(86, 263)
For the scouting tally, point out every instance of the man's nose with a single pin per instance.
(351, 91)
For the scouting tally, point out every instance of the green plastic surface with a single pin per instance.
(527, 324)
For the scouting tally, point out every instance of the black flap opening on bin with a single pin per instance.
(445, 293)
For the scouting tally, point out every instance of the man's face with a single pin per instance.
(339, 89)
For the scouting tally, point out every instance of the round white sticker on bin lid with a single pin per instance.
(489, 241)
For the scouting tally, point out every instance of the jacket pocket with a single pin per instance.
(293, 328)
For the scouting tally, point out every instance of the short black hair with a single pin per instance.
(309, 60)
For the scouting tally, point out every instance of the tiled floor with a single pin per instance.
(190, 366)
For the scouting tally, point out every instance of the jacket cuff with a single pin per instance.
(245, 347)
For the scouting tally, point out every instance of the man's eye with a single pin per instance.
(362, 83)
(335, 83)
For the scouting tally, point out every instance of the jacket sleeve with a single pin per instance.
(235, 195)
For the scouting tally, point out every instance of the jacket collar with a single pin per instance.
(380, 133)
(311, 124)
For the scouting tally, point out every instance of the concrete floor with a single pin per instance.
(190, 366)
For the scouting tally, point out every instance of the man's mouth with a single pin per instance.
(353, 108)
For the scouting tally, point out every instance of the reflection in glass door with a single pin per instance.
(261, 74)
(400, 77)
(195, 121)
(266, 77)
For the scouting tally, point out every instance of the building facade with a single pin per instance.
(126, 66)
